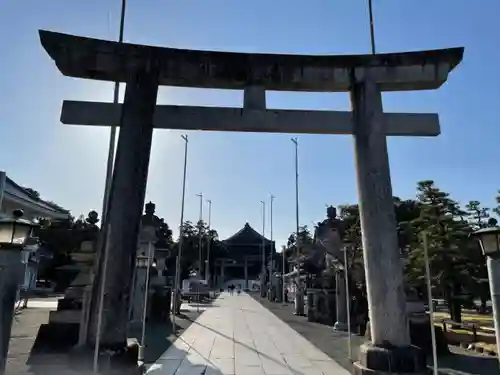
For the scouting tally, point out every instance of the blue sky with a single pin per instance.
(236, 171)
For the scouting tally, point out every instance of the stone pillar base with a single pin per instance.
(374, 360)
(339, 326)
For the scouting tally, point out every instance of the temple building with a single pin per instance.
(243, 259)
(14, 196)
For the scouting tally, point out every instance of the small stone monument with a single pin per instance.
(69, 308)
(67, 325)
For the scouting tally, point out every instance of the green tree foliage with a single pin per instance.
(305, 236)
(349, 214)
(449, 246)
(496, 210)
(457, 265)
(190, 246)
(478, 283)
(62, 237)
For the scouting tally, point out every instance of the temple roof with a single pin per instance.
(246, 236)
(15, 196)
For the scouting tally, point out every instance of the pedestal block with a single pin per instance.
(420, 335)
(390, 360)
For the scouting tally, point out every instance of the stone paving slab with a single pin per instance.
(238, 336)
(333, 343)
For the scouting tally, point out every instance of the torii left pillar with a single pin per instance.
(127, 195)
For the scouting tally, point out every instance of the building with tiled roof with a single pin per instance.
(14, 196)
(243, 260)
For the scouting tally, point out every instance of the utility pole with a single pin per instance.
(209, 240)
(177, 279)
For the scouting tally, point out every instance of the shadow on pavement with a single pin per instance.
(159, 336)
(178, 362)
(261, 354)
(25, 359)
(335, 344)
(465, 363)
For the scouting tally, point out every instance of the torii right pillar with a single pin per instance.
(390, 349)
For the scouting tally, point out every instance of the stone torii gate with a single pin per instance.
(144, 68)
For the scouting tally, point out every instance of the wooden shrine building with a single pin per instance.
(243, 259)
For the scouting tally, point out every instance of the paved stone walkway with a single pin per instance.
(238, 336)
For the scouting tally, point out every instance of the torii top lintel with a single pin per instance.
(89, 58)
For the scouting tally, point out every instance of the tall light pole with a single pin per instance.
(209, 240)
(283, 260)
(271, 252)
(177, 279)
(105, 200)
(200, 239)
(299, 298)
(372, 29)
(112, 134)
(263, 268)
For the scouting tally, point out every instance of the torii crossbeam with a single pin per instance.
(249, 120)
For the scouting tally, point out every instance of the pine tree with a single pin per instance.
(478, 216)
(447, 230)
(496, 210)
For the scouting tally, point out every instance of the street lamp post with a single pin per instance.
(200, 256)
(200, 239)
(283, 255)
(112, 135)
(489, 239)
(299, 297)
(177, 277)
(263, 268)
(271, 252)
(145, 262)
(14, 233)
(209, 240)
(372, 28)
(347, 247)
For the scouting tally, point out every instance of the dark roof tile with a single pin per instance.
(246, 236)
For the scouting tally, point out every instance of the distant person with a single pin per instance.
(286, 295)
